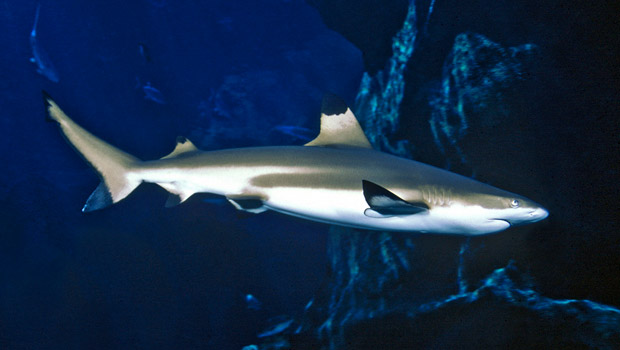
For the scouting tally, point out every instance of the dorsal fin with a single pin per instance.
(183, 146)
(339, 127)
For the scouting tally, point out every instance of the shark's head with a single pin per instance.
(518, 210)
(465, 207)
(481, 213)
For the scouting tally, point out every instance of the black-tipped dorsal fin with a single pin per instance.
(384, 203)
(183, 146)
(339, 127)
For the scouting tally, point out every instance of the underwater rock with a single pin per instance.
(370, 302)
(498, 314)
(369, 24)
(380, 95)
(373, 274)
(479, 77)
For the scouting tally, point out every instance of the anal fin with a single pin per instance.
(176, 196)
(173, 200)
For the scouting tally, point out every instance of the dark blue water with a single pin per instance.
(522, 96)
(140, 275)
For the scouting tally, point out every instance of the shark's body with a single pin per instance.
(337, 178)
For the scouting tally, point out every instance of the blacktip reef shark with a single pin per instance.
(337, 178)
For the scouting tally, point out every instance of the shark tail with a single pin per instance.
(116, 168)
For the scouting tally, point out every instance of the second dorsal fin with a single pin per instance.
(339, 127)
(183, 146)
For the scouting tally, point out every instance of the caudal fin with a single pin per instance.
(115, 167)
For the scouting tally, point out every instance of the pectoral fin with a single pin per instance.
(384, 203)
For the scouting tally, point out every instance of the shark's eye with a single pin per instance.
(514, 203)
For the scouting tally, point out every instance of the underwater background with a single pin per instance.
(523, 95)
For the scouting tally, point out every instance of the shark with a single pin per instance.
(337, 178)
(40, 58)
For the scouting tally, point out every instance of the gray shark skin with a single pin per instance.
(45, 67)
(337, 179)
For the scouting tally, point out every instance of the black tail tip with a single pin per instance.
(46, 102)
(333, 105)
(46, 97)
(99, 199)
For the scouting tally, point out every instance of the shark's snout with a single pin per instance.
(522, 217)
(538, 214)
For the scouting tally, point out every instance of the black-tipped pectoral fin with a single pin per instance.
(384, 203)
(250, 204)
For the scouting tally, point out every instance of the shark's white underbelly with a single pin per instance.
(347, 208)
